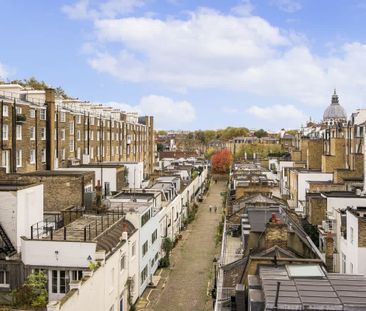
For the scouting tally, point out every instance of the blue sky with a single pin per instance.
(194, 64)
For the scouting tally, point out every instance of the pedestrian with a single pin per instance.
(215, 181)
(210, 208)
(215, 208)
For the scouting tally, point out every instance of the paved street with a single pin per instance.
(186, 286)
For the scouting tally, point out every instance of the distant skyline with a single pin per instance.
(200, 64)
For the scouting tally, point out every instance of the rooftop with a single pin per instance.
(309, 287)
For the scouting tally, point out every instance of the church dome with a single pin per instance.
(334, 111)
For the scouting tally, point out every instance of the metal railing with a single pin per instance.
(95, 226)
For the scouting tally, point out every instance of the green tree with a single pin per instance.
(260, 133)
(34, 291)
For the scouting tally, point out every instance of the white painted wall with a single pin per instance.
(109, 174)
(305, 177)
(135, 174)
(57, 253)
(107, 287)
(334, 206)
(19, 210)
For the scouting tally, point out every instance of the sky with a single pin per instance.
(194, 64)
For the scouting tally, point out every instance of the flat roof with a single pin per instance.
(60, 172)
(342, 194)
(311, 288)
(8, 185)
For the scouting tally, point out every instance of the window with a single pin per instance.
(19, 158)
(91, 152)
(63, 116)
(144, 274)
(5, 111)
(145, 248)
(42, 114)
(133, 251)
(123, 262)
(71, 128)
(145, 218)
(4, 278)
(18, 110)
(154, 236)
(71, 146)
(43, 155)
(76, 275)
(78, 135)
(60, 282)
(32, 156)
(85, 135)
(63, 135)
(91, 120)
(32, 113)
(63, 154)
(43, 133)
(98, 135)
(78, 119)
(32, 133)
(5, 131)
(351, 235)
(78, 153)
(19, 132)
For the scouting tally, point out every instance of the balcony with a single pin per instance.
(21, 118)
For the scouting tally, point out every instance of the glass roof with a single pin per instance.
(301, 271)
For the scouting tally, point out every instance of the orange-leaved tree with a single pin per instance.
(221, 161)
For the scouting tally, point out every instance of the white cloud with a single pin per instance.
(211, 50)
(87, 9)
(168, 113)
(278, 115)
(3, 72)
(244, 8)
(289, 6)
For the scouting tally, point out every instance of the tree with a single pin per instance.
(221, 161)
(209, 152)
(260, 133)
(34, 291)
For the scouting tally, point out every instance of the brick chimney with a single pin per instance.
(329, 250)
(50, 129)
(276, 233)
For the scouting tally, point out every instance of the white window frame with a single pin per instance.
(32, 156)
(5, 132)
(5, 110)
(42, 114)
(32, 133)
(19, 132)
(19, 158)
(32, 113)
(43, 156)
(43, 133)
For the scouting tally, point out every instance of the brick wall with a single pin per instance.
(361, 232)
(314, 153)
(317, 208)
(276, 234)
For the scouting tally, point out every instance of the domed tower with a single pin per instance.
(334, 112)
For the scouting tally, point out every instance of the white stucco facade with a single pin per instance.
(23, 208)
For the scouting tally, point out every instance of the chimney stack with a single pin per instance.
(50, 128)
(329, 249)
(276, 233)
